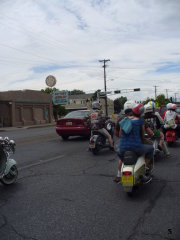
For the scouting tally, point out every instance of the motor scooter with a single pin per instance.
(133, 171)
(171, 136)
(98, 141)
(8, 166)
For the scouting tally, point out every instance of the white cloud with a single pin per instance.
(137, 36)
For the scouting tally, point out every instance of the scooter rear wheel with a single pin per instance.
(95, 150)
(11, 177)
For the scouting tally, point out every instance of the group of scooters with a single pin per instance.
(133, 168)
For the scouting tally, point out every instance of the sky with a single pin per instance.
(67, 38)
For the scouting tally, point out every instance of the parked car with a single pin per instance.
(75, 123)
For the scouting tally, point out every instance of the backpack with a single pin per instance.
(126, 125)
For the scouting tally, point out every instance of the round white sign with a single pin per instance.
(51, 81)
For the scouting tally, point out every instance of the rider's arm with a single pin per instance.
(142, 132)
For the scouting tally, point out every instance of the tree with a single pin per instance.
(48, 90)
(161, 99)
(76, 92)
(61, 110)
(119, 104)
(94, 96)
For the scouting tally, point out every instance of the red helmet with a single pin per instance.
(174, 106)
(138, 109)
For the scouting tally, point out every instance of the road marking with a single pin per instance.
(40, 162)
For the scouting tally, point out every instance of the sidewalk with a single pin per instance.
(6, 129)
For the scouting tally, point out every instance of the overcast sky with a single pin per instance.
(67, 38)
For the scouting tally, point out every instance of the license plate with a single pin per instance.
(127, 179)
(92, 145)
(68, 123)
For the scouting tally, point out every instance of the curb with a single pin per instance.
(26, 127)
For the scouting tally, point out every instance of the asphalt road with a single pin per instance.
(64, 192)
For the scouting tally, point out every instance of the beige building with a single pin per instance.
(84, 101)
(23, 108)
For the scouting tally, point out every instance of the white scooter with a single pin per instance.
(133, 171)
(8, 168)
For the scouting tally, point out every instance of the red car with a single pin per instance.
(75, 123)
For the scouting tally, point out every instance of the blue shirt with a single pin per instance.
(132, 140)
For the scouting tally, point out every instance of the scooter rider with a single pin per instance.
(134, 139)
(171, 117)
(98, 122)
(154, 121)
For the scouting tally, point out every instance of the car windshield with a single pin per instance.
(77, 114)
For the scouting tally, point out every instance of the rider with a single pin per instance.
(171, 117)
(154, 122)
(134, 139)
(97, 122)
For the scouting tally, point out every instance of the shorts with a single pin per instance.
(104, 132)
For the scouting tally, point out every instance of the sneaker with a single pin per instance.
(167, 155)
(146, 179)
(117, 179)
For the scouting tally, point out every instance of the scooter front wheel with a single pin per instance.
(11, 177)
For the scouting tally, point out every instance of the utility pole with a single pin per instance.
(104, 66)
(155, 89)
(167, 93)
(175, 97)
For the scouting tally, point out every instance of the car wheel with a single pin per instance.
(65, 137)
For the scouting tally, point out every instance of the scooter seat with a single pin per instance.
(130, 158)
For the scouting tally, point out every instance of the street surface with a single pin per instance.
(64, 192)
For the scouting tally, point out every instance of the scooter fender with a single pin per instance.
(171, 136)
(10, 162)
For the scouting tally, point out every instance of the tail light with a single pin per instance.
(127, 173)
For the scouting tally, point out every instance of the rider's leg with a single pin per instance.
(118, 176)
(165, 149)
(108, 136)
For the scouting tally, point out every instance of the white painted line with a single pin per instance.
(40, 162)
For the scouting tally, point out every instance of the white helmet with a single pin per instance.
(96, 105)
(169, 106)
(149, 107)
(129, 105)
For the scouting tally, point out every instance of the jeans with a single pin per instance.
(146, 150)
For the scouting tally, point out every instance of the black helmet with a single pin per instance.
(96, 105)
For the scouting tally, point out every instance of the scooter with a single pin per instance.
(171, 136)
(8, 166)
(98, 141)
(133, 171)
